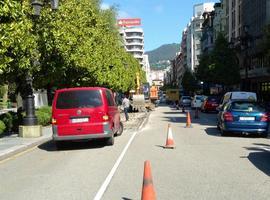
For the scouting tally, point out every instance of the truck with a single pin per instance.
(172, 95)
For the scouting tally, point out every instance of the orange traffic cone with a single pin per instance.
(148, 192)
(188, 124)
(169, 141)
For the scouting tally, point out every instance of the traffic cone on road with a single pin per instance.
(169, 141)
(148, 192)
(188, 124)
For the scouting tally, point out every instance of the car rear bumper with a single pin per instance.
(258, 128)
(106, 134)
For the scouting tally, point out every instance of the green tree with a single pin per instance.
(79, 45)
(189, 82)
(219, 66)
(17, 44)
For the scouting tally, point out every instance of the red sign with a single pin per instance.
(129, 22)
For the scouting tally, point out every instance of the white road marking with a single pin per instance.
(108, 179)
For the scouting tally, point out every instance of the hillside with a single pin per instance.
(158, 58)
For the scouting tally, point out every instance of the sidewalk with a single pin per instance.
(12, 145)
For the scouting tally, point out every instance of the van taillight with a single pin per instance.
(228, 117)
(54, 121)
(265, 117)
(105, 117)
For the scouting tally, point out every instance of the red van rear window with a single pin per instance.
(79, 99)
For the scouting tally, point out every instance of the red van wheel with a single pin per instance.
(120, 130)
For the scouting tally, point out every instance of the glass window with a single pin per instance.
(109, 98)
(79, 99)
(247, 106)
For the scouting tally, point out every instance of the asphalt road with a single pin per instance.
(203, 165)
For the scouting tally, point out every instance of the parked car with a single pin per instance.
(210, 104)
(85, 113)
(185, 101)
(243, 116)
(197, 101)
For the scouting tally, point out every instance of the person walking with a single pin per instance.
(126, 104)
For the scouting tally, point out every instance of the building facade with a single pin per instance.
(195, 32)
(133, 41)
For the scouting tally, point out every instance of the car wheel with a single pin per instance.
(120, 130)
(110, 141)
(223, 133)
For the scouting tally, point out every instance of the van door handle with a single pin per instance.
(79, 129)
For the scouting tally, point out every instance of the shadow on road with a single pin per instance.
(92, 144)
(212, 131)
(124, 198)
(260, 157)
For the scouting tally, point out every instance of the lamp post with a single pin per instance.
(30, 119)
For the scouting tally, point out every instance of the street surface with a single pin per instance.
(203, 165)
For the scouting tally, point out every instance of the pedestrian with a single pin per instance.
(126, 104)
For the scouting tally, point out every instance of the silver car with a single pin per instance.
(185, 101)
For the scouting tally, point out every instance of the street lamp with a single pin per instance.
(30, 119)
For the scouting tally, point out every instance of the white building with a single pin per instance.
(133, 38)
(157, 77)
(146, 68)
(194, 34)
(134, 41)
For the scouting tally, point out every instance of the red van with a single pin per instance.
(85, 113)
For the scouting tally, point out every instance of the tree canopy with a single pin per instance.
(79, 45)
(189, 82)
(219, 66)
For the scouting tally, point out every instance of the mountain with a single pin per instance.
(159, 58)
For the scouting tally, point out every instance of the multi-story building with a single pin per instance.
(146, 68)
(254, 66)
(219, 20)
(214, 24)
(133, 39)
(157, 77)
(195, 34)
(207, 39)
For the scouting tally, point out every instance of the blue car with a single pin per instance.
(243, 116)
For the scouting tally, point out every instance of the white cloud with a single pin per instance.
(105, 6)
(159, 8)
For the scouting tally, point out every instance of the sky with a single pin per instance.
(162, 20)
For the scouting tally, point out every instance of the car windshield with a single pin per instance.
(213, 99)
(79, 99)
(247, 107)
(186, 98)
(200, 98)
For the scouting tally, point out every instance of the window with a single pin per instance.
(79, 99)
(109, 98)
